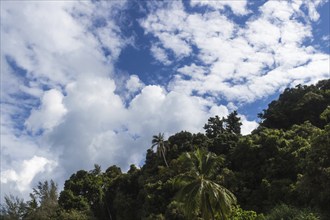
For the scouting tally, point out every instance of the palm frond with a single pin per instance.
(198, 191)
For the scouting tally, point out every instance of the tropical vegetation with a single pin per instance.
(279, 171)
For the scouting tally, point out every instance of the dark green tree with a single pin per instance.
(122, 196)
(233, 123)
(223, 133)
(314, 183)
(84, 191)
(297, 105)
(214, 127)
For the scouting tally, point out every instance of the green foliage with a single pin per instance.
(43, 203)
(267, 165)
(214, 127)
(123, 196)
(199, 194)
(286, 212)
(113, 172)
(240, 214)
(325, 116)
(223, 133)
(297, 105)
(13, 208)
(155, 217)
(84, 191)
(174, 211)
(314, 183)
(75, 215)
(182, 142)
(233, 123)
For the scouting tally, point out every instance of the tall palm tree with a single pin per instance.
(199, 193)
(158, 140)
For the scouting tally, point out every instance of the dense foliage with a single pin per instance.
(297, 105)
(281, 170)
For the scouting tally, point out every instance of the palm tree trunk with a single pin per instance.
(162, 150)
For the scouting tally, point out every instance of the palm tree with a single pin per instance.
(158, 140)
(199, 193)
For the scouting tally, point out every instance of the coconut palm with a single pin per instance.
(199, 194)
(158, 140)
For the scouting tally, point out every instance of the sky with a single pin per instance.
(90, 82)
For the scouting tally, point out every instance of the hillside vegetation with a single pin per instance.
(280, 171)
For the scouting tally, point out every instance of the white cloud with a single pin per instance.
(50, 48)
(247, 126)
(326, 40)
(192, 71)
(177, 43)
(21, 178)
(134, 84)
(241, 64)
(238, 7)
(49, 114)
(221, 111)
(312, 8)
(160, 54)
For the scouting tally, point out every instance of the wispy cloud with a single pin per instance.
(237, 7)
(241, 64)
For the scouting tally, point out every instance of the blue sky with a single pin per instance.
(85, 82)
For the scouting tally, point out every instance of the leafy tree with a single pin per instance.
(84, 191)
(214, 127)
(223, 133)
(325, 116)
(75, 215)
(297, 105)
(158, 140)
(314, 183)
(200, 140)
(178, 143)
(223, 143)
(233, 123)
(240, 214)
(199, 193)
(43, 203)
(13, 209)
(122, 196)
(174, 212)
(113, 172)
(267, 164)
(284, 211)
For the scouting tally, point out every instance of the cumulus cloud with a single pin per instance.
(49, 114)
(45, 57)
(134, 84)
(20, 179)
